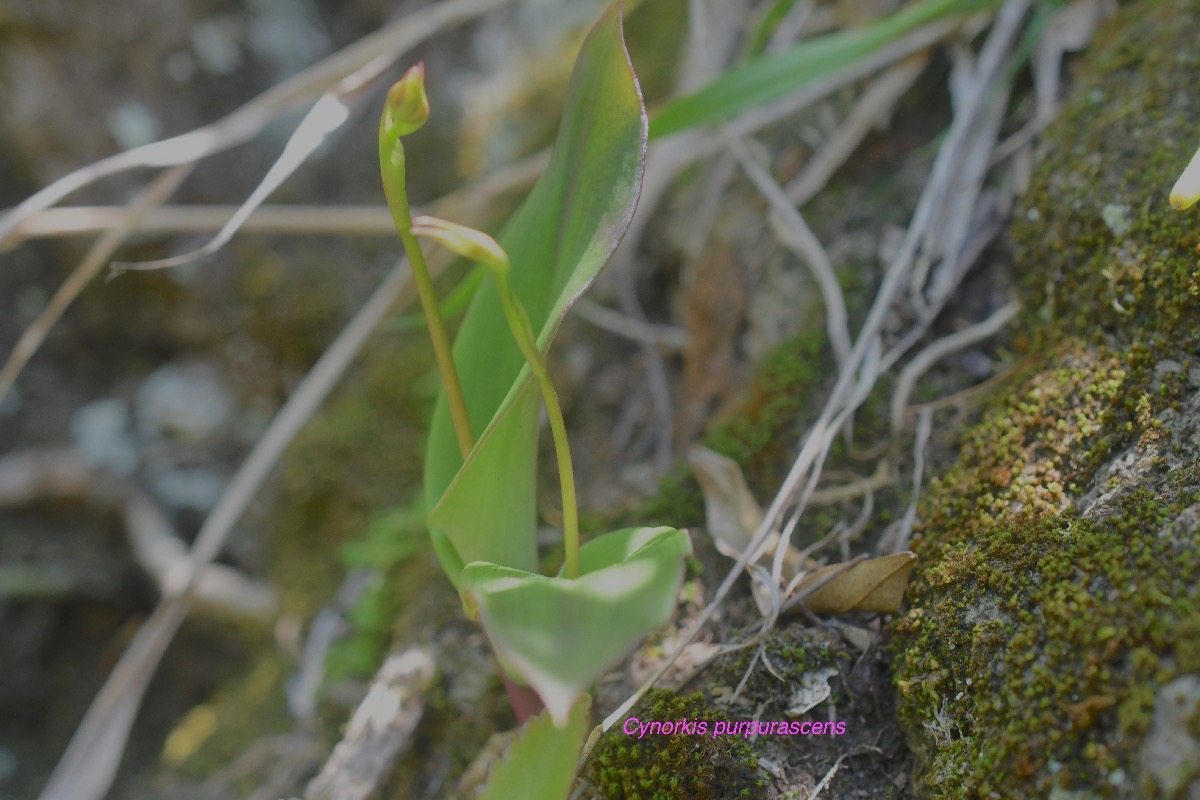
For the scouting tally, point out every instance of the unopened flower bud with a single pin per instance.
(407, 106)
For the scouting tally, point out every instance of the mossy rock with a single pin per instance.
(654, 764)
(1052, 644)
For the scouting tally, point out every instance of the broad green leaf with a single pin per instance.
(557, 242)
(772, 77)
(562, 634)
(540, 764)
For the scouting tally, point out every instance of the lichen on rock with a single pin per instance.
(1056, 598)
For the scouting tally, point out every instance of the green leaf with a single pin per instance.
(562, 634)
(772, 77)
(557, 242)
(540, 764)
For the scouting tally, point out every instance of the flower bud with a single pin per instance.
(407, 107)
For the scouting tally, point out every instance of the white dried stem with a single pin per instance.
(938, 350)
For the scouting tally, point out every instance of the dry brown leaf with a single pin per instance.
(731, 513)
(875, 585)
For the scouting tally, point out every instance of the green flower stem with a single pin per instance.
(480, 247)
(518, 322)
(392, 166)
(441, 340)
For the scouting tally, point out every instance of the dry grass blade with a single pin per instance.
(466, 202)
(247, 121)
(958, 213)
(940, 349)
(795, 234)
(896, 537)
(327, 115)
(876, 104)
(291, 220)
(87, 769)
(97, 256)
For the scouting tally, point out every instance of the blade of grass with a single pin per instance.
(772, 77)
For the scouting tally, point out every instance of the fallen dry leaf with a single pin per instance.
(732, 515)
(875, 585)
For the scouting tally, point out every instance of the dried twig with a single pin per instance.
(382, 727)
(943, 347)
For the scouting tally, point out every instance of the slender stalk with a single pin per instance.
(480, 247)
(522, 330)
(405, 111)
(441, 340)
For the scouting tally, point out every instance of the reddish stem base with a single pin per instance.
(525, 702)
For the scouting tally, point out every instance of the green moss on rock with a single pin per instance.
(1056, 592)
(666, 767)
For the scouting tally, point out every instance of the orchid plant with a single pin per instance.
(555, 633)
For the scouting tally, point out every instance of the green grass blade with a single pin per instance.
(770, 22)
(557, 242)
(769, 78)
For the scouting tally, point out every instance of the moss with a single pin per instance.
(1057, 581)
(1042, 639)
(1127, 139)
(664, 767)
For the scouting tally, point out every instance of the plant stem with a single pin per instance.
(441, 341)
(522, 330)
(393, 184)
